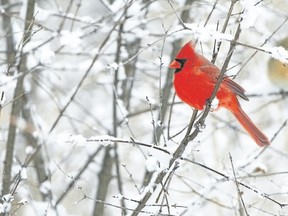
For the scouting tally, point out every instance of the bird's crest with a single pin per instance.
(187, 51)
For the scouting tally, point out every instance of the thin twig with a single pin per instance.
(237, 185)
(267, 147)
(87, 72)
(225, 25)
(79, 174)
(131, 177)
(17, 104)
(162, 174)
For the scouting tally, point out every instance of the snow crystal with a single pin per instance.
(157, 161)
(45, 187)
(250, 13)
(46, 55)
(23, 173)
(151, 101)
(214, 104)
(151, 163)
(205, 33)
(104, 139)
(71, 39)
(7, 198)
(125, 120)
(23, 202)
(112, 67)
(221, 36)
(159, 123)
(6, 205)
(78, 140)
(279, 53)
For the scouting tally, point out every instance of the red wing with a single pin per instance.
(236, 88)
(213, 72)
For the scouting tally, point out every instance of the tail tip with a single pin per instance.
(263, 142)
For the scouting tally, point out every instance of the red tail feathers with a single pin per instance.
(250, 127)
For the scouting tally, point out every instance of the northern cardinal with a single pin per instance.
(194, 80)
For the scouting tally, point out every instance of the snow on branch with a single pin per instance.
(279, 53)
(108, 140)
(250, 13)
(206, 32)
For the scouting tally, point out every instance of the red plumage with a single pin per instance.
(194, 80)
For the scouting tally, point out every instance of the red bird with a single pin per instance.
(194, 80)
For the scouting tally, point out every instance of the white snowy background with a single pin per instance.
(96, 125)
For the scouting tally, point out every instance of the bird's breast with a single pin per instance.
(193, 89)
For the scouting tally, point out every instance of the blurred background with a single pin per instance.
(86, 95)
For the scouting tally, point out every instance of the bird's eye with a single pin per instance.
(181, 62)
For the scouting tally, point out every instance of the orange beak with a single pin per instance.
(175, 64)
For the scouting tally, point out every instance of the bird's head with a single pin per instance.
(185, 54)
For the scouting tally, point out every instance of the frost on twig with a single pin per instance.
(250, 12)
(80, 140)
(5, 206)
(208, 32)
(104, 139)
(87, 67)
(279, 53)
